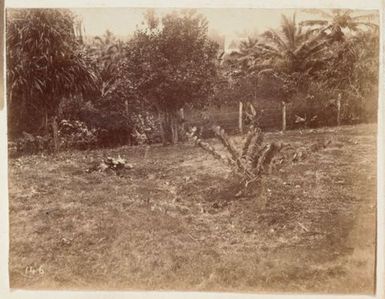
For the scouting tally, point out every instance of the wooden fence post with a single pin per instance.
(283, 116)
(240, 123)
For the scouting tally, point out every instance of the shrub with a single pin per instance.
(28, 144)
(146, 128)
(76, 134)
(254, 160)
(315, 110)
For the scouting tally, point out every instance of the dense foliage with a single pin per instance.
(115, 92)
(310, 65)
(44, 63)
(171, 63)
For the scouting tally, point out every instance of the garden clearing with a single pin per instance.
(172, 222)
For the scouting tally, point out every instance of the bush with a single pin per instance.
(29, 144)
(316, 111)
(72, 134)
(146, 129)
(76, 134)
(114, 126)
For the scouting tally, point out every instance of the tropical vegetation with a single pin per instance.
(135, 91)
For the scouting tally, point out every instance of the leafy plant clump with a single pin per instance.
(255, 159)
(29, 144)
(116, 165)
(251, 162)
(76, 134)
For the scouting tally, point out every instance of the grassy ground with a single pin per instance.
(172, 221)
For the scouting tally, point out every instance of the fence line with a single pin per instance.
(270, 119)
(228, 117)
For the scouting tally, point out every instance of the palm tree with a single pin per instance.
(292, 49)
(287, 55)
(337, 20)
(335, 24)
(113, 97)
(247, 47)
(106, 52)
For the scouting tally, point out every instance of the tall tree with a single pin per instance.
(44, 63)
(241, 82)
(283, 60)
(172, 63)
(292, 49)
(351, 71)
(350, 65)
(335, 21)
(289, 54)
(114, 106)
(106, 52)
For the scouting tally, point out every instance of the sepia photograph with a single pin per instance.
(193, 149)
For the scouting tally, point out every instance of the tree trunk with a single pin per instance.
(174, 128)
(176, 131)
(240, 121)
(55, 134)
(181, 111)
(169, 126)
(126, 107)
(173, 133)
(19, 120)
(129, 128)
(283, 116)
(45, 119)
(161, 127)
(339, 110)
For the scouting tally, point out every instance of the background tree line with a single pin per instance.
(106, 92)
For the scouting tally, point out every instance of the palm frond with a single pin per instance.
(265, 48)
(307, 47)
(316, 49)
(288, 28)
(273, 36)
